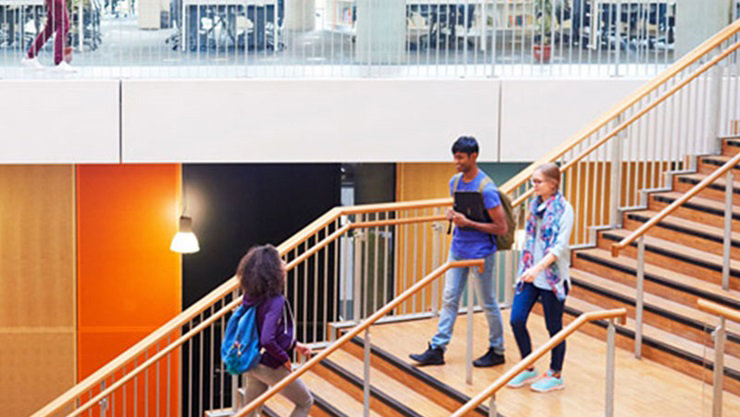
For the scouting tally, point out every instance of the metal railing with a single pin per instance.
(559, 337)
(350, 38)
(342, 268)
(639, 235)
(724, 313)
(365, 326)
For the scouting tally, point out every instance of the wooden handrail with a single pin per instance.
(230, 285)
(357, 330)
(652, 85)
(473, 403)
(616, 247)
(718, 309)
(614, 132)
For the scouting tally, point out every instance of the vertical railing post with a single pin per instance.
(715, 105)
(104, 402)
(357, 276)
(719, 366)
(615, 182)
(492, 406)
(727, 242)
(235, 393)
(436, 232)
(611, 332)
(639, 295)
(366, 379)
(469, 338)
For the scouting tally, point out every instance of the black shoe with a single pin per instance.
(491, 358)
(432, 356)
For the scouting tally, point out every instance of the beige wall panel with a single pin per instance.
(37, 285)
(415, 255)
(36, 368)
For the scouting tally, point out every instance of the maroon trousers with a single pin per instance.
(57, 21)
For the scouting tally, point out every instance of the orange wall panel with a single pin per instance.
(129, 282)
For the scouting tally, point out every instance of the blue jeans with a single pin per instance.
(520, 309)
(455, 281)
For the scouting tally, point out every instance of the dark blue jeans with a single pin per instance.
(520, 309)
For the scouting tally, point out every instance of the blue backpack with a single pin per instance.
(240, 349)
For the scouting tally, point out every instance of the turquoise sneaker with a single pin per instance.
(548, 383)
(524, 378)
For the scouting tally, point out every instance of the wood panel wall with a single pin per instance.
(37, 285)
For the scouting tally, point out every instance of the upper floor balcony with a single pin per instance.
(351, 38)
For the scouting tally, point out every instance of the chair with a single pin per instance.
(417, 30)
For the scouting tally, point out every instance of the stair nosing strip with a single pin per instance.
(694, 181)
(661, 280)
(374, 391)
(698, 325)
(683, 229)
(647, 340)
(681, 257)
(424, 377)
(694, 206)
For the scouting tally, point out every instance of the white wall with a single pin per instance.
(294, 121)
(282, 121)
(59, 122)
(537, 115)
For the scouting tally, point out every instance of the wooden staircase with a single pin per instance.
(396, 388)
(683, 262)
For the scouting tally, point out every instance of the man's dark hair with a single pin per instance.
(261, 272)
(465, 144)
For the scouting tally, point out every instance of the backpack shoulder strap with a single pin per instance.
(485, 181)
(457, 178)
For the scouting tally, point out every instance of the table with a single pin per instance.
(196, 4)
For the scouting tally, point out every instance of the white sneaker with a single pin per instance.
(32, 63)
(64, 67)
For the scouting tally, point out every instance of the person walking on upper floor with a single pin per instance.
(471, 240)
(261, 274)
(543, 275)
(57, 24)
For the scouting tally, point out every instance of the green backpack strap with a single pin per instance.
(456, 182)
(485, 181)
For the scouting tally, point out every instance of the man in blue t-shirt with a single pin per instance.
(471, 240)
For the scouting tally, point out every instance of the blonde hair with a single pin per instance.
(550, 171)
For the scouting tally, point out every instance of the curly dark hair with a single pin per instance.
(261, 272)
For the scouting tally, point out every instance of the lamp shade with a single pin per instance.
(185, 240)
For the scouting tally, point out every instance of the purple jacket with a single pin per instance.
(275, 327)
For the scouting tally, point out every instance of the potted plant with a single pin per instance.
(542, 49)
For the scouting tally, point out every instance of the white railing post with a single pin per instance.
(366, 379)
(437, 230)
(492, 407)
(357, 275)
(727, 242)
(610, 336)
(719, 365)
(234, 393)
(615, 180)
(715, 105)
(469, 336)
(639, 295)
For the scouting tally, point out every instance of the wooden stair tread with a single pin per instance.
(719, 181)
(334, 395)
(679, 249)
(699, 201)
(722, 159)
(654, 300)
(686, 224)
(277, 404)
(389, 385)
(666, 274)
(661, 336)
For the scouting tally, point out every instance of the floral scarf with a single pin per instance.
(550, 212)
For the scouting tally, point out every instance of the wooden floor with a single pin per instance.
(644, 388)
